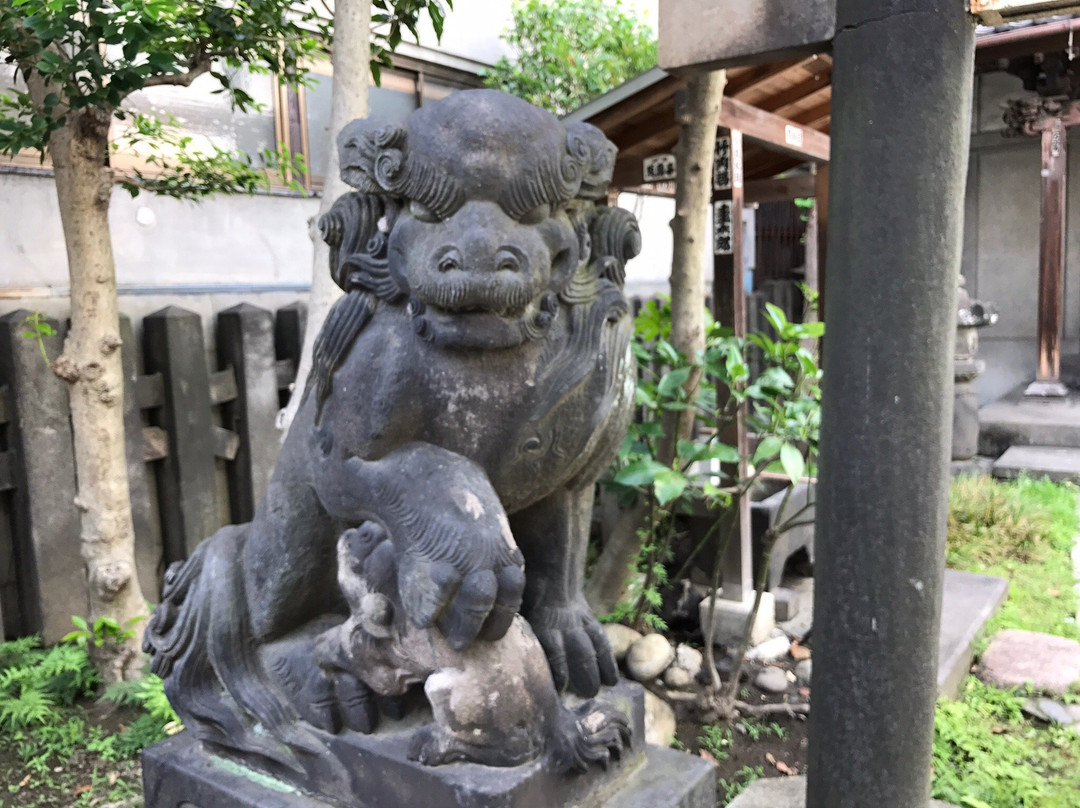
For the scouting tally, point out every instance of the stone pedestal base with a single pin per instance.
(181, 772)
(786, 792)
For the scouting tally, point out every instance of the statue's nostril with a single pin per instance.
(450, 260)
(507, 261)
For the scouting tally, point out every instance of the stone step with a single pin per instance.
(1016, 420)
(1057, 463)
(969, 600)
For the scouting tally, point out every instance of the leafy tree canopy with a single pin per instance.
(567, 52)
(84, 57)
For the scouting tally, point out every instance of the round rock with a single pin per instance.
(659, 720)
(689, 659)
(772, 680)
(649, 657)
(621, 638)
(804, 670)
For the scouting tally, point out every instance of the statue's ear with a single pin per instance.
(361, 144)
(598, 157)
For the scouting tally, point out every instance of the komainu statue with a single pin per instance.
(426, 525)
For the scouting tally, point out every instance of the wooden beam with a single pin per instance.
(809, 116)
(631, 135)
(804, 91)
(1051, 263)
(779, 189)
(780, 134)
(758, 75)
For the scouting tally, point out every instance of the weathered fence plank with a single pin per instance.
(43, 518)
(173, 346)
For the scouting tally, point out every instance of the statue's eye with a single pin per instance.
(536, 215)
(422, 212)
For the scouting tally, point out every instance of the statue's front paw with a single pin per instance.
(466, 593)
(577, 649)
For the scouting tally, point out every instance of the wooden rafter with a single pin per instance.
(758, 75)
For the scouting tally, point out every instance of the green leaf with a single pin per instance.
(792, 461)
(673, 381)
(640, 472)
(668, 485)
(767, 449)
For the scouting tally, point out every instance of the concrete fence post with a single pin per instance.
(44, 522)
(148, 549)
(173, 346)
(245, 342)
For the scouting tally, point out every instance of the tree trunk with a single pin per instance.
(348, 101)
(91, 365)
(697, 116)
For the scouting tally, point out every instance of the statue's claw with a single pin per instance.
(577, 649)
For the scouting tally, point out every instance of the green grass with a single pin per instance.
(1023, 532)
(987, 754)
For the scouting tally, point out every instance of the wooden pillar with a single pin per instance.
(729, 309)
(821, 210)
(1051, 262)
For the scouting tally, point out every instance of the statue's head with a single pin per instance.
(491, 199)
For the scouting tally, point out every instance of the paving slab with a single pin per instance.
(785, 792)
(1017, 658)
(968, 602)
(1057, 463)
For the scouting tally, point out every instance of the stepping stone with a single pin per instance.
(968, 602)
(1016, 658)
(1057, 463)
(784, 792)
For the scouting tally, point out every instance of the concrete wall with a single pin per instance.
(1001, 240)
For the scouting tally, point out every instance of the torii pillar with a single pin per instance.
(901, 114)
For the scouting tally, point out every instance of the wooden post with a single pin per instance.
(174, 347)
(821, 209)
(1051, 262)
(729, 309)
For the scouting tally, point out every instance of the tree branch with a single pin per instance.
(772, 709)
(197, 67)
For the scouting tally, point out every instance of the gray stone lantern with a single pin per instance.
(971, 315)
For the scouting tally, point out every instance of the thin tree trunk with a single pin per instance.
(697, 119)
(697, 116)
(348, 101)
(91, 365)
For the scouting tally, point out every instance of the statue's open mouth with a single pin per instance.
(479, 326)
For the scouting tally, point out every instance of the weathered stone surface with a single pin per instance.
(649, 657)
(659, 720)
(772, 680)
(467, 391)
(1052, 711)
(1057, 463)
(968, 602)
(787, 603)
(785, 792)
(1017, 658)
(732, 615)
(621, 638)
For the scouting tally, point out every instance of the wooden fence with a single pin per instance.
(201, 445)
